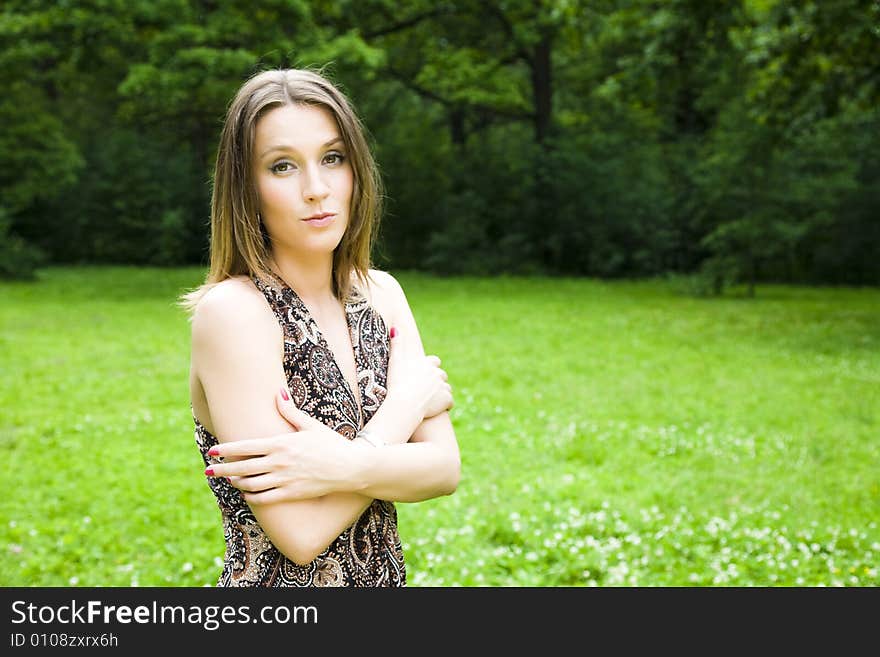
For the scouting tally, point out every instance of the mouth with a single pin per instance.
(320, 219)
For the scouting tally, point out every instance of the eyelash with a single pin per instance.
(340, 158)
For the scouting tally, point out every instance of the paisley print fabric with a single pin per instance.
(368, 553)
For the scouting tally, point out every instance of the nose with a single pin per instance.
(314, 187)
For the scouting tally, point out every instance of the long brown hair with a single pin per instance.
(238, 245)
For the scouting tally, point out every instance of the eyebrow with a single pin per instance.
(285, 147)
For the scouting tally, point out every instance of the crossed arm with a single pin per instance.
(304, 482)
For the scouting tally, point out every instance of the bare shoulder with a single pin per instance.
(383, 284)
(232, 306)
(385, 293)
(391, 302)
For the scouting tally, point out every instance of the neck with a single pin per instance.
(310, 277)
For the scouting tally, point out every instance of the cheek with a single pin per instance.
(273, 192)
(343, 184)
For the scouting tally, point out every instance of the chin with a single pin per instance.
(321, 243)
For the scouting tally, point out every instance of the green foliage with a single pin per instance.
(612, 434)
(18, 259)
(39, 160)
(172, 238)
(734, 142)
(152, 223)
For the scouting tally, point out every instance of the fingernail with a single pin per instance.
(214, 451)
(392, 332)
(284, 394)
(209, 472)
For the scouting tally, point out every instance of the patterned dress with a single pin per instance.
(369, 552)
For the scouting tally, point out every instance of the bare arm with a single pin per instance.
(429, 464)
(236, 344)
(420, 462)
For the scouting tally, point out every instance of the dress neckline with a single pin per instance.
(349, 309)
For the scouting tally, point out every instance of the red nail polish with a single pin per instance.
(284, 394)
(214, 451)
(209, 472)
(392, 332)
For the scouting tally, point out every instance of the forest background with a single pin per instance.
(722, 142)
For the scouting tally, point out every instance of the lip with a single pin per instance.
(320, 219)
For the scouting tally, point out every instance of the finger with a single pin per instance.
(288, 410)
(434, 360)
(300, 420)
(249, 467)
(273, 495)
(254, 447)
(264, 497)
(444, 375)
(256, 483)
(392, 350)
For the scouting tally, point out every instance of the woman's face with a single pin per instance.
(304, 179)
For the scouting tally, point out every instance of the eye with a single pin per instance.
(334, 158)
(281, 167)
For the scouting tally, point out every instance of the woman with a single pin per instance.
(315, 406)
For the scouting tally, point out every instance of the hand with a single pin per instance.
(309, 462)
(439, 398)
(421, 381)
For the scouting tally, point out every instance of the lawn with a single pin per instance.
(612, 434)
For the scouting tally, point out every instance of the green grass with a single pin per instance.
(612, 434)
